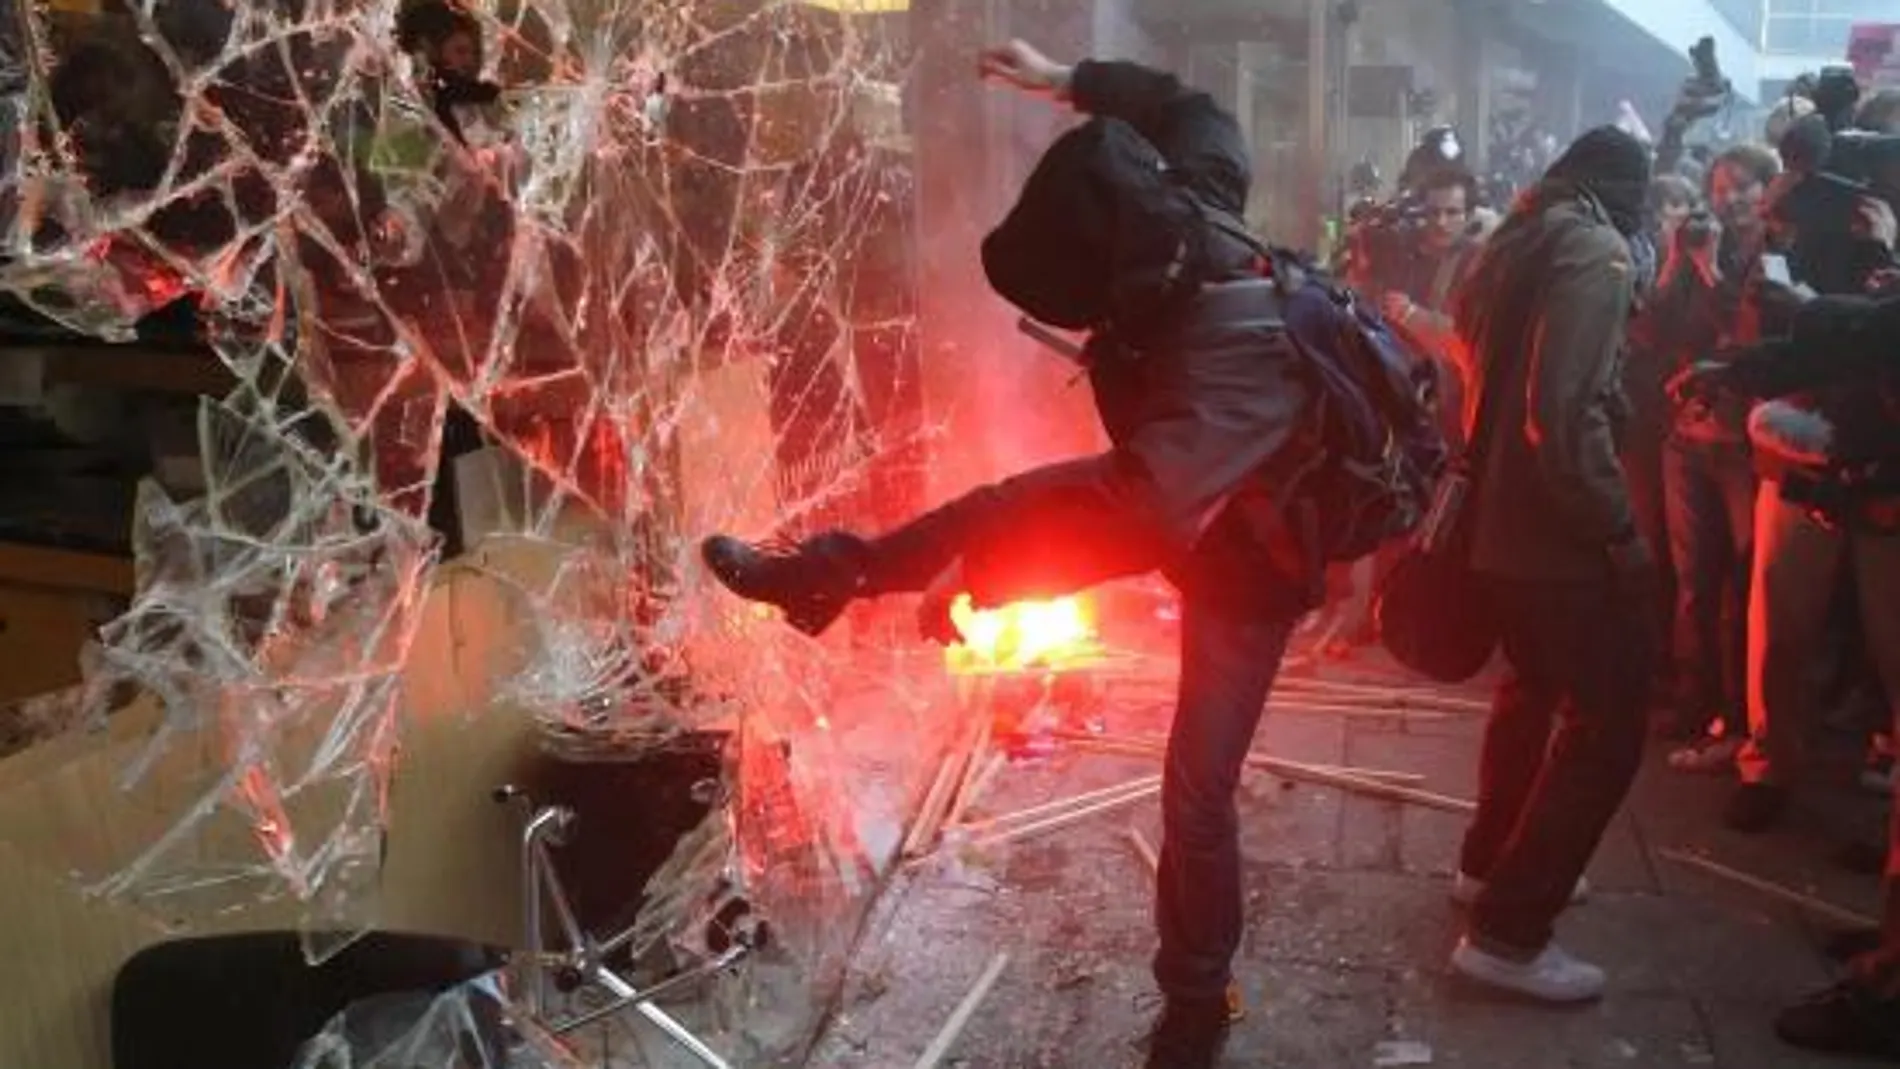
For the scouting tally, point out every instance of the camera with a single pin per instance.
(1699, 231)
(1708, 73)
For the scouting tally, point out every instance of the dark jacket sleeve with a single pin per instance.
(1574, 362)
(1835, 339)
(1199, 139)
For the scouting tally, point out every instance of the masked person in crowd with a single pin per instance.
(1555, 540)
(1198, 399)
(1847, 493)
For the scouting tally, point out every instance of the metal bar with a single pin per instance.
(664, 1021)
(577, 940)
(531, 907)
(705, 970)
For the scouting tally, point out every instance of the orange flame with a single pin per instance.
(1022, 635)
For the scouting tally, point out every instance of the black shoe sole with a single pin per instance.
(723, 556)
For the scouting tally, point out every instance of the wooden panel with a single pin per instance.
(43, 566)
(42, 630)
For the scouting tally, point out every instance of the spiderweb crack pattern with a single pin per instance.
(663, 194)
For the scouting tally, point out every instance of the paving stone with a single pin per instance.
(1666, 945)
(1349, 928)
(1358, 919)
(1468, 1028)
(1743, 1034)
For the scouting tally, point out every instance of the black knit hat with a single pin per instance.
(1612, 164)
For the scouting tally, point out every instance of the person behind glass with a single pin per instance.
(1555, 541)
(1708, 476)
(1198, 399)
(448, 41)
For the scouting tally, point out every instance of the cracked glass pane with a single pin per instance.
(590, 238)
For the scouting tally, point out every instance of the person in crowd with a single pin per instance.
(1199, 399)
(1555, 538)
(1435, 259)
(1798, 563)
(1838, 347)
(1708, 477)
(447, 41)
(1656, 343)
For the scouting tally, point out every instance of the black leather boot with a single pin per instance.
(1190, 1035)
(811, 583)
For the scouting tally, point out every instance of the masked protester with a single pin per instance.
(1554, 539)
(1198, 400)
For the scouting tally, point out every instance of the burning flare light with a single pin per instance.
(1022, 635)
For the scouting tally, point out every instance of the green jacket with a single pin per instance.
(1551, 496)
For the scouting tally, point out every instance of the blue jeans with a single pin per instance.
(1230, 654)
(1711, 501)
(1237, 615)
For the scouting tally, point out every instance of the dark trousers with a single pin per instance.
(1580, 659)
(1711, 500)
(1642, 454)
(1230, 654)
(1052, 531)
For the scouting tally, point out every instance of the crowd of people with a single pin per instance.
(1751, 523)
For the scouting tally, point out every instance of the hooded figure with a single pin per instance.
(1554, 545)
(1199, 401)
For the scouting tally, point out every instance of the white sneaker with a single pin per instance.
(1466, 889)
(1552, 976)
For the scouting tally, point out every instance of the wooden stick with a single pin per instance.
(1065, 818)
(1819, 907)
(958, 765)
(924, 829)
(1070, 802)
(1344, 707)
(1293, 770)
(1390, 697)
(979, 755)
(1359, 705)
(1154, 747)
(960, 1018)
(978, 784)
(1148, 855)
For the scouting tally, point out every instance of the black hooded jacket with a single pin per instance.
(1198, 412)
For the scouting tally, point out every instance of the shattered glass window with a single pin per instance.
(569, 232)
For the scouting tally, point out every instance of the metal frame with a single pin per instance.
(586, 955)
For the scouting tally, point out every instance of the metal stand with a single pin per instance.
(733, 934)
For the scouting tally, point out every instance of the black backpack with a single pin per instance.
(1376, 448)
(1101, 232)
(1364, 470)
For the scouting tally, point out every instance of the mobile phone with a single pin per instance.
(1775, 269)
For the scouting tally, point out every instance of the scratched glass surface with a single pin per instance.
(663, 268)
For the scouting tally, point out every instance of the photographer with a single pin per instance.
(1425, 269)
(1840, 236)
(1835, 503)
(1706, 302)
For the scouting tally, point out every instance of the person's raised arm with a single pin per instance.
(1199, 139)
